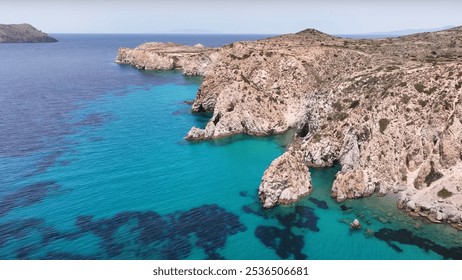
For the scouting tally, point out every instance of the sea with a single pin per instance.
(94, 165)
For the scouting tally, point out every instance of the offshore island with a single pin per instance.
(388, 111)
(23, 33)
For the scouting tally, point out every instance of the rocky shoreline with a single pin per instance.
(387, 110)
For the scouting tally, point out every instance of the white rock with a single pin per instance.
(411, 205)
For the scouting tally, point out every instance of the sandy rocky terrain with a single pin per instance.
(387, 110)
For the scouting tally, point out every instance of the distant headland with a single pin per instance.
(23, 33)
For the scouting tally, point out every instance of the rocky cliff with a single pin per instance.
(23, 33)
(388, 111)
(194, 60)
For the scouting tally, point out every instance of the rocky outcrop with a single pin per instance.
(286, 180)
(388, 111)
(355, 225)
(194, 60)
(23, 33)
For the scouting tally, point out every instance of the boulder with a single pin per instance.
(355, 225)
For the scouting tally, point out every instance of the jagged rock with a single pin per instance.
(321, 154)
(23, 33)
(411, 205)
(355, 225)
(285, 181)
(195, 133)
(350, 184)
(441, 216)
(168, 56)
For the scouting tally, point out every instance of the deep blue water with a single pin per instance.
(93, 165)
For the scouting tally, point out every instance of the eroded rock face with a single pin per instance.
(388, 111)
(168, 56)
(286, 180)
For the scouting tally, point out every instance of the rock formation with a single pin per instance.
(286, 180)
(355, 225)
(168, 56)
(23, 33)
(387, 110)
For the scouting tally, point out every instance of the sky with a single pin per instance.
(230, 17)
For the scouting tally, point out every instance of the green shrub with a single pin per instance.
(316, 138)
(459, 85)
(354, 104)
(383, 123)
(340, 116)
(431, 90)
(419, 87)
(433, 176)
(422, 102)
(444, 193)
(405, 99)
(337, 106)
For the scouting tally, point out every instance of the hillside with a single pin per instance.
(388, 111)
(23, 33)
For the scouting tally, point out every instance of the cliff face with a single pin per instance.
(388, 110)
(168, 56)
(23, 33)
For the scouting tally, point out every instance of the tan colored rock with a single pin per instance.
(285, 181)
(168, 56)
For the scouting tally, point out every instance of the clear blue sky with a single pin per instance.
(224, 16)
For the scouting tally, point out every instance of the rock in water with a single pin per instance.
(285, 181)
(23, 33)
(355, 225)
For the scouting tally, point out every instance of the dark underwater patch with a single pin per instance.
(68, 256)
(283, 241)
(249, 210)
(244, 194)
(96, 139)
(319, 203)
(95, 119)
(209, 224)
(172, 236)
(405, 236)
(345, 208)
(46, 162)
(17, 230)
(27, 196)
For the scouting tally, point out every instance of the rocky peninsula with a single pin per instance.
(23, 33)
(387, 110)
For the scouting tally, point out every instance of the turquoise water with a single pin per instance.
(120, 182)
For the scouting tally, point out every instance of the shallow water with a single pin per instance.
(94, 166)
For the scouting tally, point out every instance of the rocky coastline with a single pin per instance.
(387, 110)
(23, 33)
